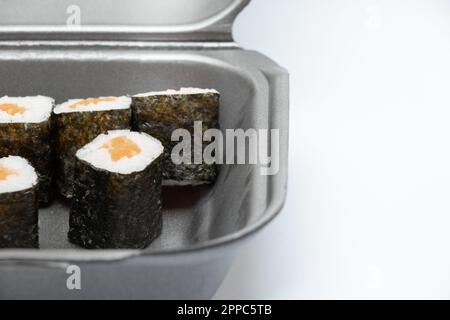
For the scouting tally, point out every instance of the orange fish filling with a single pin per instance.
(121, 147)
(86, 102)
(12, 108)
(6, 172)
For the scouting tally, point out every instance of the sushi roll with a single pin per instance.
(117, 191)
(160, 113)
(25, 130)
(18, 204)
(76, 123)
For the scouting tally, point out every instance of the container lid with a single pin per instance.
(157, 20)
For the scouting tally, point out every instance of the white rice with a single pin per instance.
(35, 109)
(23, 177)
(97, 155)
(182, 91)
(119, 103)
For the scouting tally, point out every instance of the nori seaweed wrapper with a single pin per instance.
(76, 129)
(33, 142)
(19, 219)
(160, 115)
(116, 211)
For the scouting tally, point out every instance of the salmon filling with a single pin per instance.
(12, 108)
(5, 173)
(121, 147)
(89, 101)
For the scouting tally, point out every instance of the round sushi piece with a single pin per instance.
(25, 130)
(79, 121)
(159, 113)
(18, 204)
(117, 192)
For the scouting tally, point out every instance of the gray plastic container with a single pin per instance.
(127, 47)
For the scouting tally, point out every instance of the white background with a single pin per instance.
(368, 209)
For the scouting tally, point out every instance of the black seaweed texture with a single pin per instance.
(19, 219)
(74, 130)
(159, 116)
(33, 142)
(111, 210)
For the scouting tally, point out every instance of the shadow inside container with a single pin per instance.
(177, 197)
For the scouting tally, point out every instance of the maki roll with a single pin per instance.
(18, 204)
(117, 191)
(76, 123)
(25, 130)
(160, 113)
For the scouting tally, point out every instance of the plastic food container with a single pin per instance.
(82, 48)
